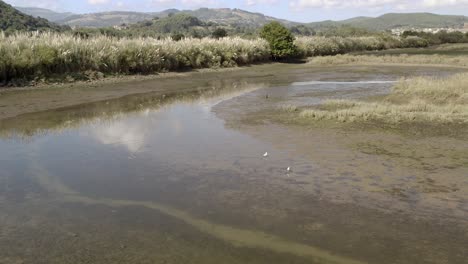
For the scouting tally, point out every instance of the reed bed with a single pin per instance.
(421, 99)
(29, 56)
(461, 61)
(33, 55)
(457, 46)
(325, 46)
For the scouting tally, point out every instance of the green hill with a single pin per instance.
(13, 20)
(224, 16)
(356, 19)
(44, 13)
(178, 23)
(234, 17)
(104, 19)
(250, 20)
(417, 20)
(397, 20)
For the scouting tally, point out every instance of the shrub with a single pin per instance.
(219, 33)
(280, 39)
(415, 42)
(177, 36)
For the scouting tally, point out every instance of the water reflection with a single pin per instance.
(32, 124)
(132, 136)
(163, 169)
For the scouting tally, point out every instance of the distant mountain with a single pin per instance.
(173, 24)
(224, 16)
(245, 19)
(397, 20)
(356, 19)
(44, 13)
(13, 20)
(235, 16)
(418, 20)
(105, 19)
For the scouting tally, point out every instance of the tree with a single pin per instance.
(177, 36)
(303, 30)
(450, 37)
(280, 39)
(219, 33)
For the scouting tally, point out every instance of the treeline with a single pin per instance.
(176, 26)
(441, 37)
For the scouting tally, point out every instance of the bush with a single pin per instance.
(415, 42)
(441, 37)
(219, 33)
(177, 36)
(280, 39)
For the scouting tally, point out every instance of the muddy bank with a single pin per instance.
(15, 102)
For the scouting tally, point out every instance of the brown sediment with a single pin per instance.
(14, 102)
(236, 236)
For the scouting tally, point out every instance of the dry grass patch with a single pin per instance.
(420, 99)
(461, 61)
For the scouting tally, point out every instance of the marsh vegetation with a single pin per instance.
(38, 55)
(435, 59)
(26, 57)
(420, 99)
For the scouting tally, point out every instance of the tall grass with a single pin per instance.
(43, 54)
(421, 99)
(392, 59)
(26, 56)
(323, 46)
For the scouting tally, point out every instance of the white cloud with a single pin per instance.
(344, 3)
(187, 3)
(98, 2)
(396, 5)
(199, 2)
(163, 2)
(444, 3)
(49, 4)
(129, 135)
(260, 2)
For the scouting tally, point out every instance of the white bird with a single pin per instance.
(289, 169)
(265, 155)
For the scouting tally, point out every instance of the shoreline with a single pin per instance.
(32, 99)
(16, 101)
(129, 77)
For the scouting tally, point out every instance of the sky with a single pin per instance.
(294, 10)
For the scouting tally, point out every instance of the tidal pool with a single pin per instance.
(181, 178)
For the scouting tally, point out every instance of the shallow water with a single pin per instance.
(164, 180)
